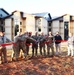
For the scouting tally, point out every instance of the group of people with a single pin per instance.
(47, 42)
(43, 42)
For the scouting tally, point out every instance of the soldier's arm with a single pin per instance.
(53, 39)
(39, 38)
(7, 39)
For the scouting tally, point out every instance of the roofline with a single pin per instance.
(8, 16)
(58, 17)
(38, 17)
(49, 15)
(5, 11)
(17, 11)
(39, 13)
(14, 11)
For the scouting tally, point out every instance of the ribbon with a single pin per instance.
(8, 44)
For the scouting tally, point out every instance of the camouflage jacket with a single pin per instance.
(50, 39)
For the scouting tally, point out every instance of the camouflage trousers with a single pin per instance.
(3, 52)
(50, 46)
(27, 49)
(42, 47)
(17, 49)
(34, 49)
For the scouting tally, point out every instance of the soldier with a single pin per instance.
(16, 48)
(28, 43)
(3, 39)
(50, 42)
(20, 42)
(26, 34)
(42, 43)
(36, 44)
(18, 34)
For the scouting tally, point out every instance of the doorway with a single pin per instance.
(66, 24)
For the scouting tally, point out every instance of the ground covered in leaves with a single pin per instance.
(56, 65)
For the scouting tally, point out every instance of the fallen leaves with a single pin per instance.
(40, 66)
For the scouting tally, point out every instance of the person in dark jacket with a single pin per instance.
(58, 40)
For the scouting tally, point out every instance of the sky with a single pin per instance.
(54, 7)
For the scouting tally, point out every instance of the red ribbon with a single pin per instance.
(7, 44)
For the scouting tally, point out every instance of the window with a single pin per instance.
(1, 22)
(39, 29)
(2, 28)
(20, 23)
(66, 30)
(66, 25)
(70, 17)
(49, 29)
(49, 24)
(16, 29)
(20, 30)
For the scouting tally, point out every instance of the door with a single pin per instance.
(66, 24)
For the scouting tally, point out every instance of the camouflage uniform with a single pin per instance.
(27, 47)
(20, 44)
(35, 45)
(28, 43)
(50, 42)
(16, 50)
(42, 44)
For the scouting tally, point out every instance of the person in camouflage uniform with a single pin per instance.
(42, 43)
(20, 43)
(50, 44)
(29, 34)
(34, 49)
